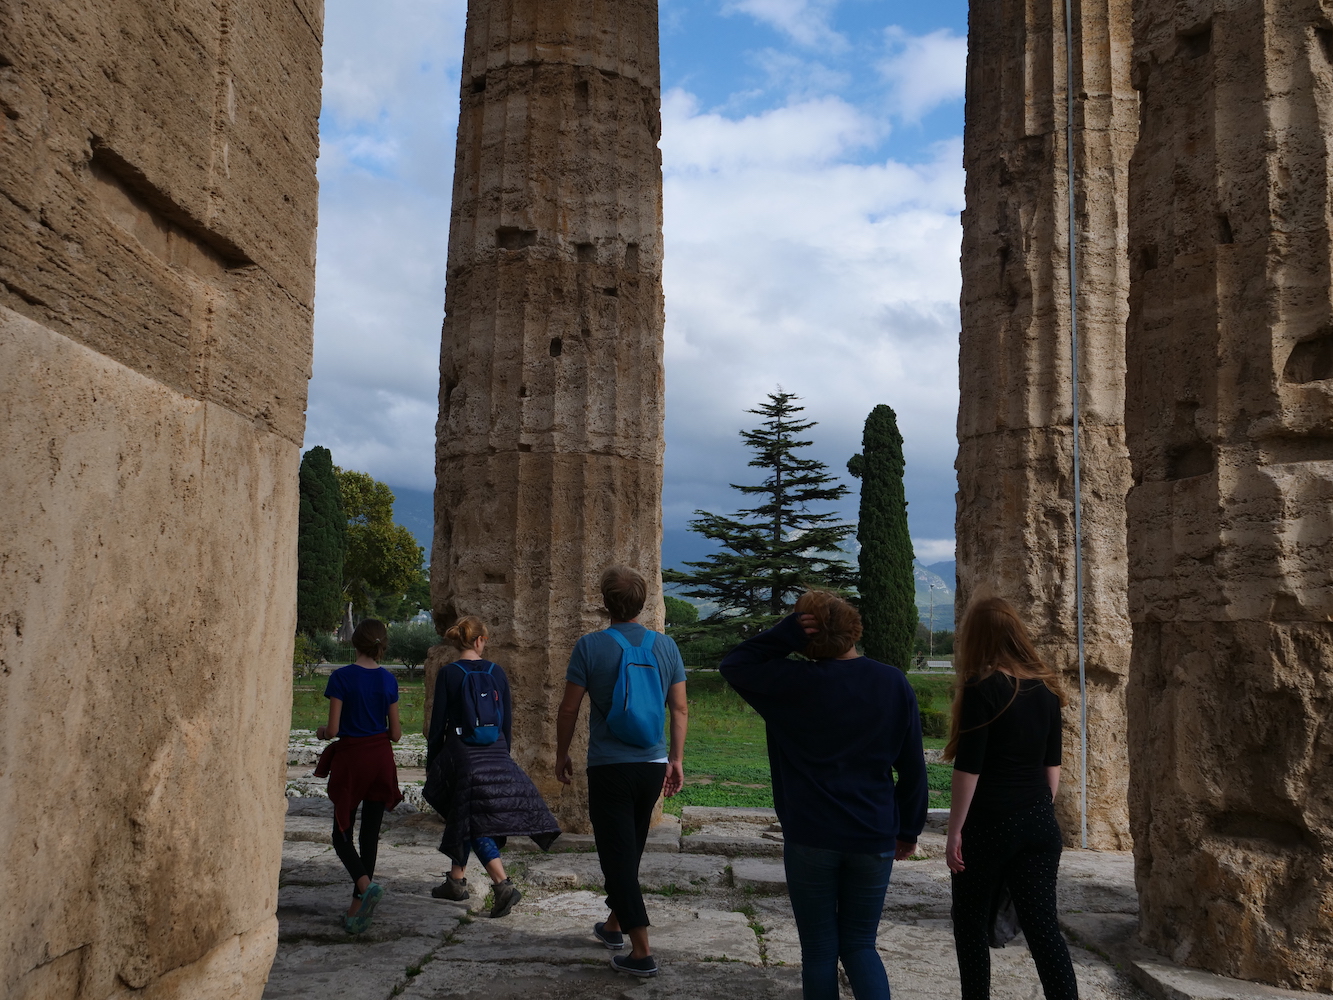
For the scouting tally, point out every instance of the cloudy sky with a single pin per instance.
(812, 157)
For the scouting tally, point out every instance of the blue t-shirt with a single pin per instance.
(595, 664)
(366, 694)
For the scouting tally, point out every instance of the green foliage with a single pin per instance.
(310, 709)
(305, 656)
(409, 642)
(943, 643)
(680, 612)
(383, 558)
(707, 649)
(934, 724)
(773, 551)
(887, 586)
(321, 545)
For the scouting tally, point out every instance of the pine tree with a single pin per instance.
(775, 550)
(321, 545)
(888, 587)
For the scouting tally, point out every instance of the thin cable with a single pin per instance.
(1073, 364)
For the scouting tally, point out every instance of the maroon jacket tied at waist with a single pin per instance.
(360, 769)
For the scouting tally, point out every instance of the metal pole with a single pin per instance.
(1073, 364)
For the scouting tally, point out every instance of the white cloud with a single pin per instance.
(787, 265)
(804, 21)
(933, 550)
(924, 71)
(789, 259)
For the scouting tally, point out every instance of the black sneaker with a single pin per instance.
(452, 888)
(612, 939)
(506, 895)
(644, 967)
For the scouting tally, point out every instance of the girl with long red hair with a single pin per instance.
(1004, 740)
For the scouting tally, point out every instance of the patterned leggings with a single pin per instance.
(1023, 850)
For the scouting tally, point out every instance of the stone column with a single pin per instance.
(549, 460)
(1230, 427)
(157, 224)
(1015, 524)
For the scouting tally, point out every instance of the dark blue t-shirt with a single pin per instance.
(366, 694)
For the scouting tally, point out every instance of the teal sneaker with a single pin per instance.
(373, 894)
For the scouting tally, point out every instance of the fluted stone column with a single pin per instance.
(1015, 522)
(1230, 428)
(549, 460)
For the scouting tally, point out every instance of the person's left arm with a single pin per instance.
(507, 721)
(912, 788)
(679, 708)
(1054, 741)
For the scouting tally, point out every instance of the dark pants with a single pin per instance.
(620, 804)
(357, 865)
(836, 899)
(1022, 850)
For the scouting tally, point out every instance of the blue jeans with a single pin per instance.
(837, 899)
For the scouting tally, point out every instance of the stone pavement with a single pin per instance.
(722, 926)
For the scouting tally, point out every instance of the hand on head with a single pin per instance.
(809, 623)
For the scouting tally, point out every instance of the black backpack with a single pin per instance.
(482, 711)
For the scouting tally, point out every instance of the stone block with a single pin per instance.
(766, 877)
(695, 817)
(730, 845)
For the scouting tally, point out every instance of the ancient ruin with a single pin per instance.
(1229, 413)
(549, 462)
(1015, 522)
(157, 165)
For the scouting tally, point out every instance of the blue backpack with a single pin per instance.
(638, 709)
(482, 712)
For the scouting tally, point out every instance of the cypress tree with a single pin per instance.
(321, 546)
(888, 587)
(773, 551)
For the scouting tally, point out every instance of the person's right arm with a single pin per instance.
(565, 721)
(974, 717)
(753, 667)
(330, 731)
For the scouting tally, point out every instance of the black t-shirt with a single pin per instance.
(1009, 744)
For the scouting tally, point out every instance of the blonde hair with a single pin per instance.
(993, 636)
(838, 622)
(465, 632)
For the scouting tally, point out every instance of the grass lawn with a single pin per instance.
(726, 751)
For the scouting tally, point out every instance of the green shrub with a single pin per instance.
(410, 642)
(680, 612)
(934, 725)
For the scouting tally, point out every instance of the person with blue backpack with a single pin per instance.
(632, 676)
(471, 780)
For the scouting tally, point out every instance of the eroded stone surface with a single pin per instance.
(157, 222)
(1015, 523)
(551, 387)
(1230, 421)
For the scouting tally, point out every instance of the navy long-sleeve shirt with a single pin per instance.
(837, 730)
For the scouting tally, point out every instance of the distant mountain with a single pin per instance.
(937, 579)
(415, 511)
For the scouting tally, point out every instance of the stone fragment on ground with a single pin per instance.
(722, 924)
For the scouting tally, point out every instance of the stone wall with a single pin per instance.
(549, 462)
(156, 280)
(1015, 522)
(1230, 428)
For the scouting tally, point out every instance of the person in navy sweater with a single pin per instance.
(838, 727)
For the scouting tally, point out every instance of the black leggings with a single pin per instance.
(357, 865)
(620, 804)
(1022, 850)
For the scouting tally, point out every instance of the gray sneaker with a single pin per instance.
(451, 888)
(506, 895)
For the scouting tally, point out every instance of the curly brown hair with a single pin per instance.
(838, 622)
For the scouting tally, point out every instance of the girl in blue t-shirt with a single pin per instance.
(363, 715)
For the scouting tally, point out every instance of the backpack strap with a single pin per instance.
(619, 636)
(648, 639)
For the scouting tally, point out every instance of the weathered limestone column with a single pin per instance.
(550, 441)
(1230, 425)
(1015, 523)
(157, 220)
